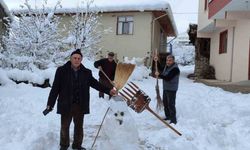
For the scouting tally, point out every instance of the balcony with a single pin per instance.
(216, 7)
(219, 9)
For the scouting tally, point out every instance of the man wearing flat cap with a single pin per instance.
(71, 90)
(107, 68)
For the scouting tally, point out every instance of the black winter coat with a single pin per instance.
(108, 67)
(62, 90)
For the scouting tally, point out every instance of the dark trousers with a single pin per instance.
(106, 83)
(66, 119)
(169, 105)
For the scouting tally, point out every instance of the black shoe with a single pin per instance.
(173, 121)
(79, 148)
(63, 148)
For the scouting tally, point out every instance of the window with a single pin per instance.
(125, 25)
(223, 42)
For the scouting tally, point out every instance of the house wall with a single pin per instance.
(203, 20)
(241, 51)
(233, 65)
(136, 45)
(221, 62)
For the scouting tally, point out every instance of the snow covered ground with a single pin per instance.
(209, 118)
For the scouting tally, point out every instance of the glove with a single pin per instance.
(47, 110)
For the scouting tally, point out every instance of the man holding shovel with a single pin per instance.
(107, 67)
(71, 89)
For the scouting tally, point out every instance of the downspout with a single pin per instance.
(153, 30)
(153, 34)
(232, 57)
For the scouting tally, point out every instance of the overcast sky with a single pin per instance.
(184, 11)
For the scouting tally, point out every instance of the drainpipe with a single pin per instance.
(153, 33)
(232, 57)
(153, 30)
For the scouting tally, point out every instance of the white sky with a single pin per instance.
(184, 11)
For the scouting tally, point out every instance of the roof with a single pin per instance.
(72, 6)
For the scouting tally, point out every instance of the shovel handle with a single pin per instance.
(107, 77)
(100, 128)
(157, 116)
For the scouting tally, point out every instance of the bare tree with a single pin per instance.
(33, 37)
(86, 30)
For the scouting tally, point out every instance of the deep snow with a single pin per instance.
(209, 118)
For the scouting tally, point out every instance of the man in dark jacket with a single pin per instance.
(71, 90)
(108, 66)
(170, 76)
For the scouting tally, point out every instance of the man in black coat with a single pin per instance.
(71, 90)
(108, 66)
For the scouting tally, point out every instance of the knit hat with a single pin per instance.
(77, 51)
(111, 54)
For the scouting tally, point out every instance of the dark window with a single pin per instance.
(125, 25)
(223, 42)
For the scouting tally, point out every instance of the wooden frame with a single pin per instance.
(127, 22)
(223, 42)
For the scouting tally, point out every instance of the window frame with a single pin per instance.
(223, 42)
(125, 26)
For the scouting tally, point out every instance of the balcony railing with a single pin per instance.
(215, 6)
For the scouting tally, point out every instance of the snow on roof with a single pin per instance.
(71, 6)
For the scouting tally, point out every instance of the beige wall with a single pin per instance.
(230, 67)
(221, 62)
(241, 51)
(136, 45)
(203, 20)
(233, 65)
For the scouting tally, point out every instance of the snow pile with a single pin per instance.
(183, 51)
(36, 76)
(184, 55)
(4, 79)
(140, 72)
